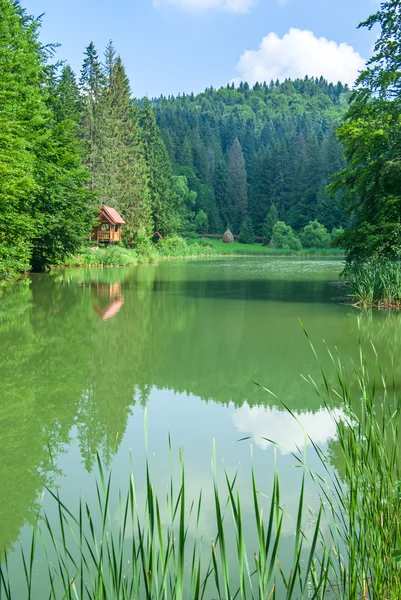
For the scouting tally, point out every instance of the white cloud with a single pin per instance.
(283, 429)
(197, 6)
(299, 53)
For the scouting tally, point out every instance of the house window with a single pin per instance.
(105, 227)
(116, 228)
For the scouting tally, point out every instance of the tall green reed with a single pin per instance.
(151, 555)
(375, 282)
(364, 498)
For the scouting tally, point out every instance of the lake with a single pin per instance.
(88, 355)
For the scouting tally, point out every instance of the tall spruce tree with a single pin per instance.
(269, 223)
(236, 194)
(165, 208)
(91, 85)
(122, 179)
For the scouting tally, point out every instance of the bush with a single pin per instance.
(315, 235)
(205, 242)
(173, 245)
(285, 238)
(109, 256)
(247, 233)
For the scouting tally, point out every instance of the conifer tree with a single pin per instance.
(91, 85)
(67, 102)
(269, 223)
(236, 195)
(165, 209)
(247, 233)
(122, 178)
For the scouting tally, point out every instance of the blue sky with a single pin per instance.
(171, 46)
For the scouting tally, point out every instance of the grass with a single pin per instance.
(178, 247)
(353, 550)
(375, 283)
(260, 250)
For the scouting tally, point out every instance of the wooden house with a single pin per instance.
(109, 227)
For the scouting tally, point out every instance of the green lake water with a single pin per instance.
(83, 353)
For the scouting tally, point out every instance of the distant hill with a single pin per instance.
(287, 135)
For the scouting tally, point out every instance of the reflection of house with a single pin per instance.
(115, 301)
(109, 228)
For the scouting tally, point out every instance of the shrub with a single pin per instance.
(315, 235)
(173, 245)
(336, 235)
(284, 237)
(205, 242)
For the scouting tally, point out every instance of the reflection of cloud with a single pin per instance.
(283, 428)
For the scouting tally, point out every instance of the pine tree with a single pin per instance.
(167, 216)
(91, 85)
(122, 178)
(269, 223)
(236, 194)
(67, 102)
(247, 233)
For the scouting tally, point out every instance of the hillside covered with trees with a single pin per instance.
(243, 149)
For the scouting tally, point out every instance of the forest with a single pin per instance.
(243, 149)
(233, 157)
(303, 163)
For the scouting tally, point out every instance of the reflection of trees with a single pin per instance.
(63, 369)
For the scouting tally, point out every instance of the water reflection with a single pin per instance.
(288, 432)
(109, 300)
(79, 349)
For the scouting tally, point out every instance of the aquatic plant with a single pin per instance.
(375, 282)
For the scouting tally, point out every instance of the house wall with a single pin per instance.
(112, 236)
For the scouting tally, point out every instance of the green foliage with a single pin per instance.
(375, 282)
(167, 205)
(259, 250)
(287, 136)
(315, 235)
(172, 246)
(246, 234)
(236, 193)
(111, 256)
(201, 222)
(371, 133)
(285, 238)
(336, 236)
(44, 212)
(121, 175)
(269, 223)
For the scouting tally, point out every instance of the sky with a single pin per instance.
(176, 46)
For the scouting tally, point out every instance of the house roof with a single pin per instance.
(112, 215)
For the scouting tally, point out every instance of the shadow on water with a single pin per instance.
(79, 348)
(272, 290)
